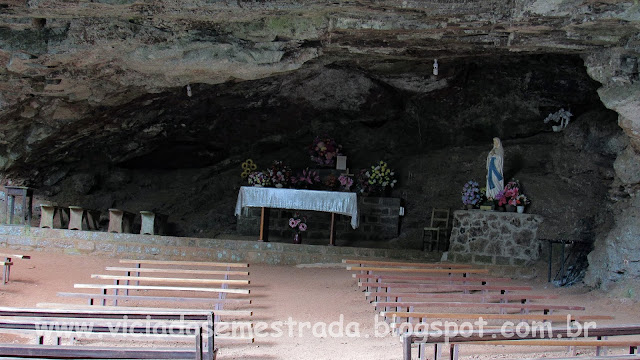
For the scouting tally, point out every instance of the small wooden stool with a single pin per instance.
(78, 214)
(48, 215)
(152, 223)
(120, 221)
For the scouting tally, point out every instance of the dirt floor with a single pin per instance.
(285, 296)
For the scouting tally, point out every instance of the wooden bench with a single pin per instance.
(225, 269)
(520, 318)
(463, 272)
(8, 262)
(502, 307)
(120, 221)
(523, 298)
(119, 278)
(152, 223)
(48, 213)
(160, 288)
(407, 264)
(79, 214)
(486, 336)
(143, 298)
(138, 263)
(118, 323)
(378, 278)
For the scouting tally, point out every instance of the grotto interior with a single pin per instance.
(94, 106)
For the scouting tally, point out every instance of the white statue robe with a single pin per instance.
(495, 177)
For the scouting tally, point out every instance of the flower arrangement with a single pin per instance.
(362, 183)
(510, 193)
(380, 176)
(305, 179)
(298, 223)
(331, 182)
(279, 174)
(247, 167)
(346, 182)
(561, 116)
(324, 150)
(523, 199)
(258, 178)
(471, 194)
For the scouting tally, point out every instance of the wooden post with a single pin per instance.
(332, 236)
(264, 225)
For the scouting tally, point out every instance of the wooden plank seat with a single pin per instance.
(176, 316)
(418, 270)
(142, 298)
(138, 263)
(398, 296)
(48, 214)
(523, 308)
(152, 223)
(91, 352)
(407, 264)
(373, 278)
(8, 262)
(118, 278)
(133, 323)
(79, 216)
(484, 336)
(178, 271)
(422, 318)
(120, 221)
(234, 313)
(447, 287)
(161, 288)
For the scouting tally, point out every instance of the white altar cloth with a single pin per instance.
(344, 203)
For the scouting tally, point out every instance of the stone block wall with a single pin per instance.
(379, 220)
(500, 238)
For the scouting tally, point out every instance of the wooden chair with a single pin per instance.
(439, 224)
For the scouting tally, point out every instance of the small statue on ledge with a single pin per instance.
(495, 177)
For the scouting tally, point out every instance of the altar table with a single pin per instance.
(344, 203)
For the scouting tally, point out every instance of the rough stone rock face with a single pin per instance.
(94, 106)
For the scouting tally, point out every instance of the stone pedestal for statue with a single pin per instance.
(489, 237)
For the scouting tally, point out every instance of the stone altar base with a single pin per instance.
(490, 237)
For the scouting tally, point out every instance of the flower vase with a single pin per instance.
(297, 238)
(469, 207)
(520, 209)
(510, 208)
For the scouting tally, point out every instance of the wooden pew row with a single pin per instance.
(418, 270)
(142, 298)
(483, 297)
(407, 264)
(439, 338)
(106, 287)
(169, 280)
(502, 307)
(373, 278)
(233, 313)
(129, 270)
(138, 263)
(447, 287)
(422, 318)
(119, 323)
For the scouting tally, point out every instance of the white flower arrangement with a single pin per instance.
(561, 116)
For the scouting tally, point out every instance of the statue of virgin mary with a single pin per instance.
(495, 177)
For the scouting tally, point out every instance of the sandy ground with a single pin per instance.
(285, 296)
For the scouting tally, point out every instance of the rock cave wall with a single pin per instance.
(94, 111)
